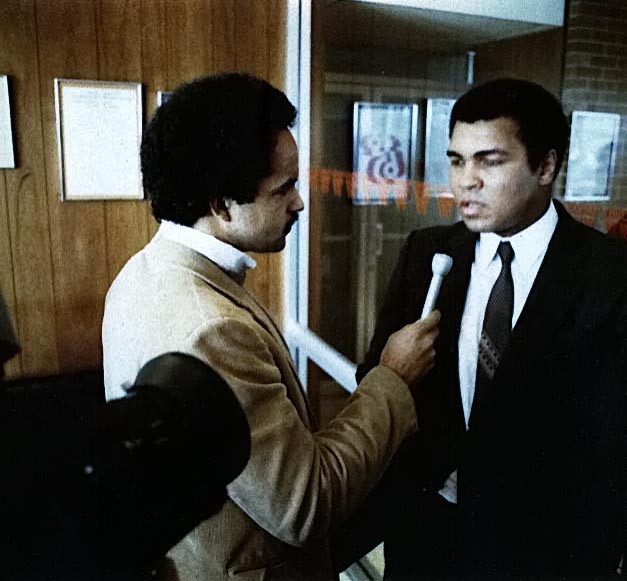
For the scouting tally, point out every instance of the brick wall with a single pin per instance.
(595, 71)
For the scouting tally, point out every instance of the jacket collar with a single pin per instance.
(184, 257)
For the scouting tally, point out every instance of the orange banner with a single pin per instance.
(324, 180)
(338, 179)
(445, 206)
(354, 185)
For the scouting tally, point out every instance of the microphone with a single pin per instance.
(441, 266)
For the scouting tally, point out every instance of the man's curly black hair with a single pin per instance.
(542, 125)
(211, 140)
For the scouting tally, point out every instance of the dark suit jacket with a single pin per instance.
(541, 469)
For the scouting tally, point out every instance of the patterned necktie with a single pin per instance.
(497, 323)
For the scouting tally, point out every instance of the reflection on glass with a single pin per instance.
(367, 80)
(390, 59)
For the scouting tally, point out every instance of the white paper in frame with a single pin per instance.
(436, 144)
(7, 157)
(591, 155)
(99, 128)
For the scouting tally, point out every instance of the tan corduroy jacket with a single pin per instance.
(299, 483)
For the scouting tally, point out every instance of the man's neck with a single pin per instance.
(210, 225)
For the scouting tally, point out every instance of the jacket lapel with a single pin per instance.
(552, 296)
(461, 248)
(215, 277)
(455, 287)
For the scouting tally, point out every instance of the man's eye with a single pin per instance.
(455, 162)
(284, 190)
(492, 162)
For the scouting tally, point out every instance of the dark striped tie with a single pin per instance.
(497, 323)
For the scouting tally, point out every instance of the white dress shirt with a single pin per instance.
(530, 246)
(233, 261)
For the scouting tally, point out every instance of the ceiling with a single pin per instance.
(361, 24)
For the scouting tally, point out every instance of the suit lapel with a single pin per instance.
(461, 248)
(552, 296)
(455, 287)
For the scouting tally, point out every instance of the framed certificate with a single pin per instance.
(591, 155)
(162, 97)
(7, 157)
(436, 144)
(99, 127)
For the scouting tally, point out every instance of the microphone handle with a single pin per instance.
(432, 295)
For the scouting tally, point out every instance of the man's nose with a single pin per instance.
(470, 178)
(297, 205)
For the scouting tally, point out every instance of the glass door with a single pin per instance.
(374, 83)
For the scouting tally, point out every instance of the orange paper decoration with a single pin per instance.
(400, 191)
(383, 191)
(421, 199)
(314, 180)
(445, 206)
(324, 177)
(337, 179)
(351, 184)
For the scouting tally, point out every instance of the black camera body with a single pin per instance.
(95, 490)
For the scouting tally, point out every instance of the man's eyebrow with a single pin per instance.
(487, 152)
(478, 154)
(288, 184)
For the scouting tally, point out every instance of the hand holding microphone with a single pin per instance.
(409, 352)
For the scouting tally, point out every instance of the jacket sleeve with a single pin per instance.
(298, 485)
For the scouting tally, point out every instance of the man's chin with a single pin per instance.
(477, 225)
(276, 247)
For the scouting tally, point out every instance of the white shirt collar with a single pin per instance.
(233, 261)
(528, 244)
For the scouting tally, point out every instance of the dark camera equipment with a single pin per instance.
(103, 491)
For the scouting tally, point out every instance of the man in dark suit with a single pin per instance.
(518, 466)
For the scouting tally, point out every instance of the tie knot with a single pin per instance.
(506, 252)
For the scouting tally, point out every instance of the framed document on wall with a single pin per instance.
(7, 157)
(99, 127)
(591, 155)
(436, 144)
(384, 148)
(162, 97)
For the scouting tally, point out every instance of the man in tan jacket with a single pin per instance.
(220, 167)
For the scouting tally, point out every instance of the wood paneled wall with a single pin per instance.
(57, 259)
(536, 57)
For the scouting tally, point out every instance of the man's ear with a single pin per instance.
(547, 168)
(221, 208)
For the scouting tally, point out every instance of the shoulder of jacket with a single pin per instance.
(434, 235)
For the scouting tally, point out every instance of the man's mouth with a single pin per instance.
(470, 207)
(289, 225)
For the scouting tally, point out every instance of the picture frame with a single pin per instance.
(99, 128)
(162, 97)
(7, 152)
(384, 149)
(437, 164)
(591, 156)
